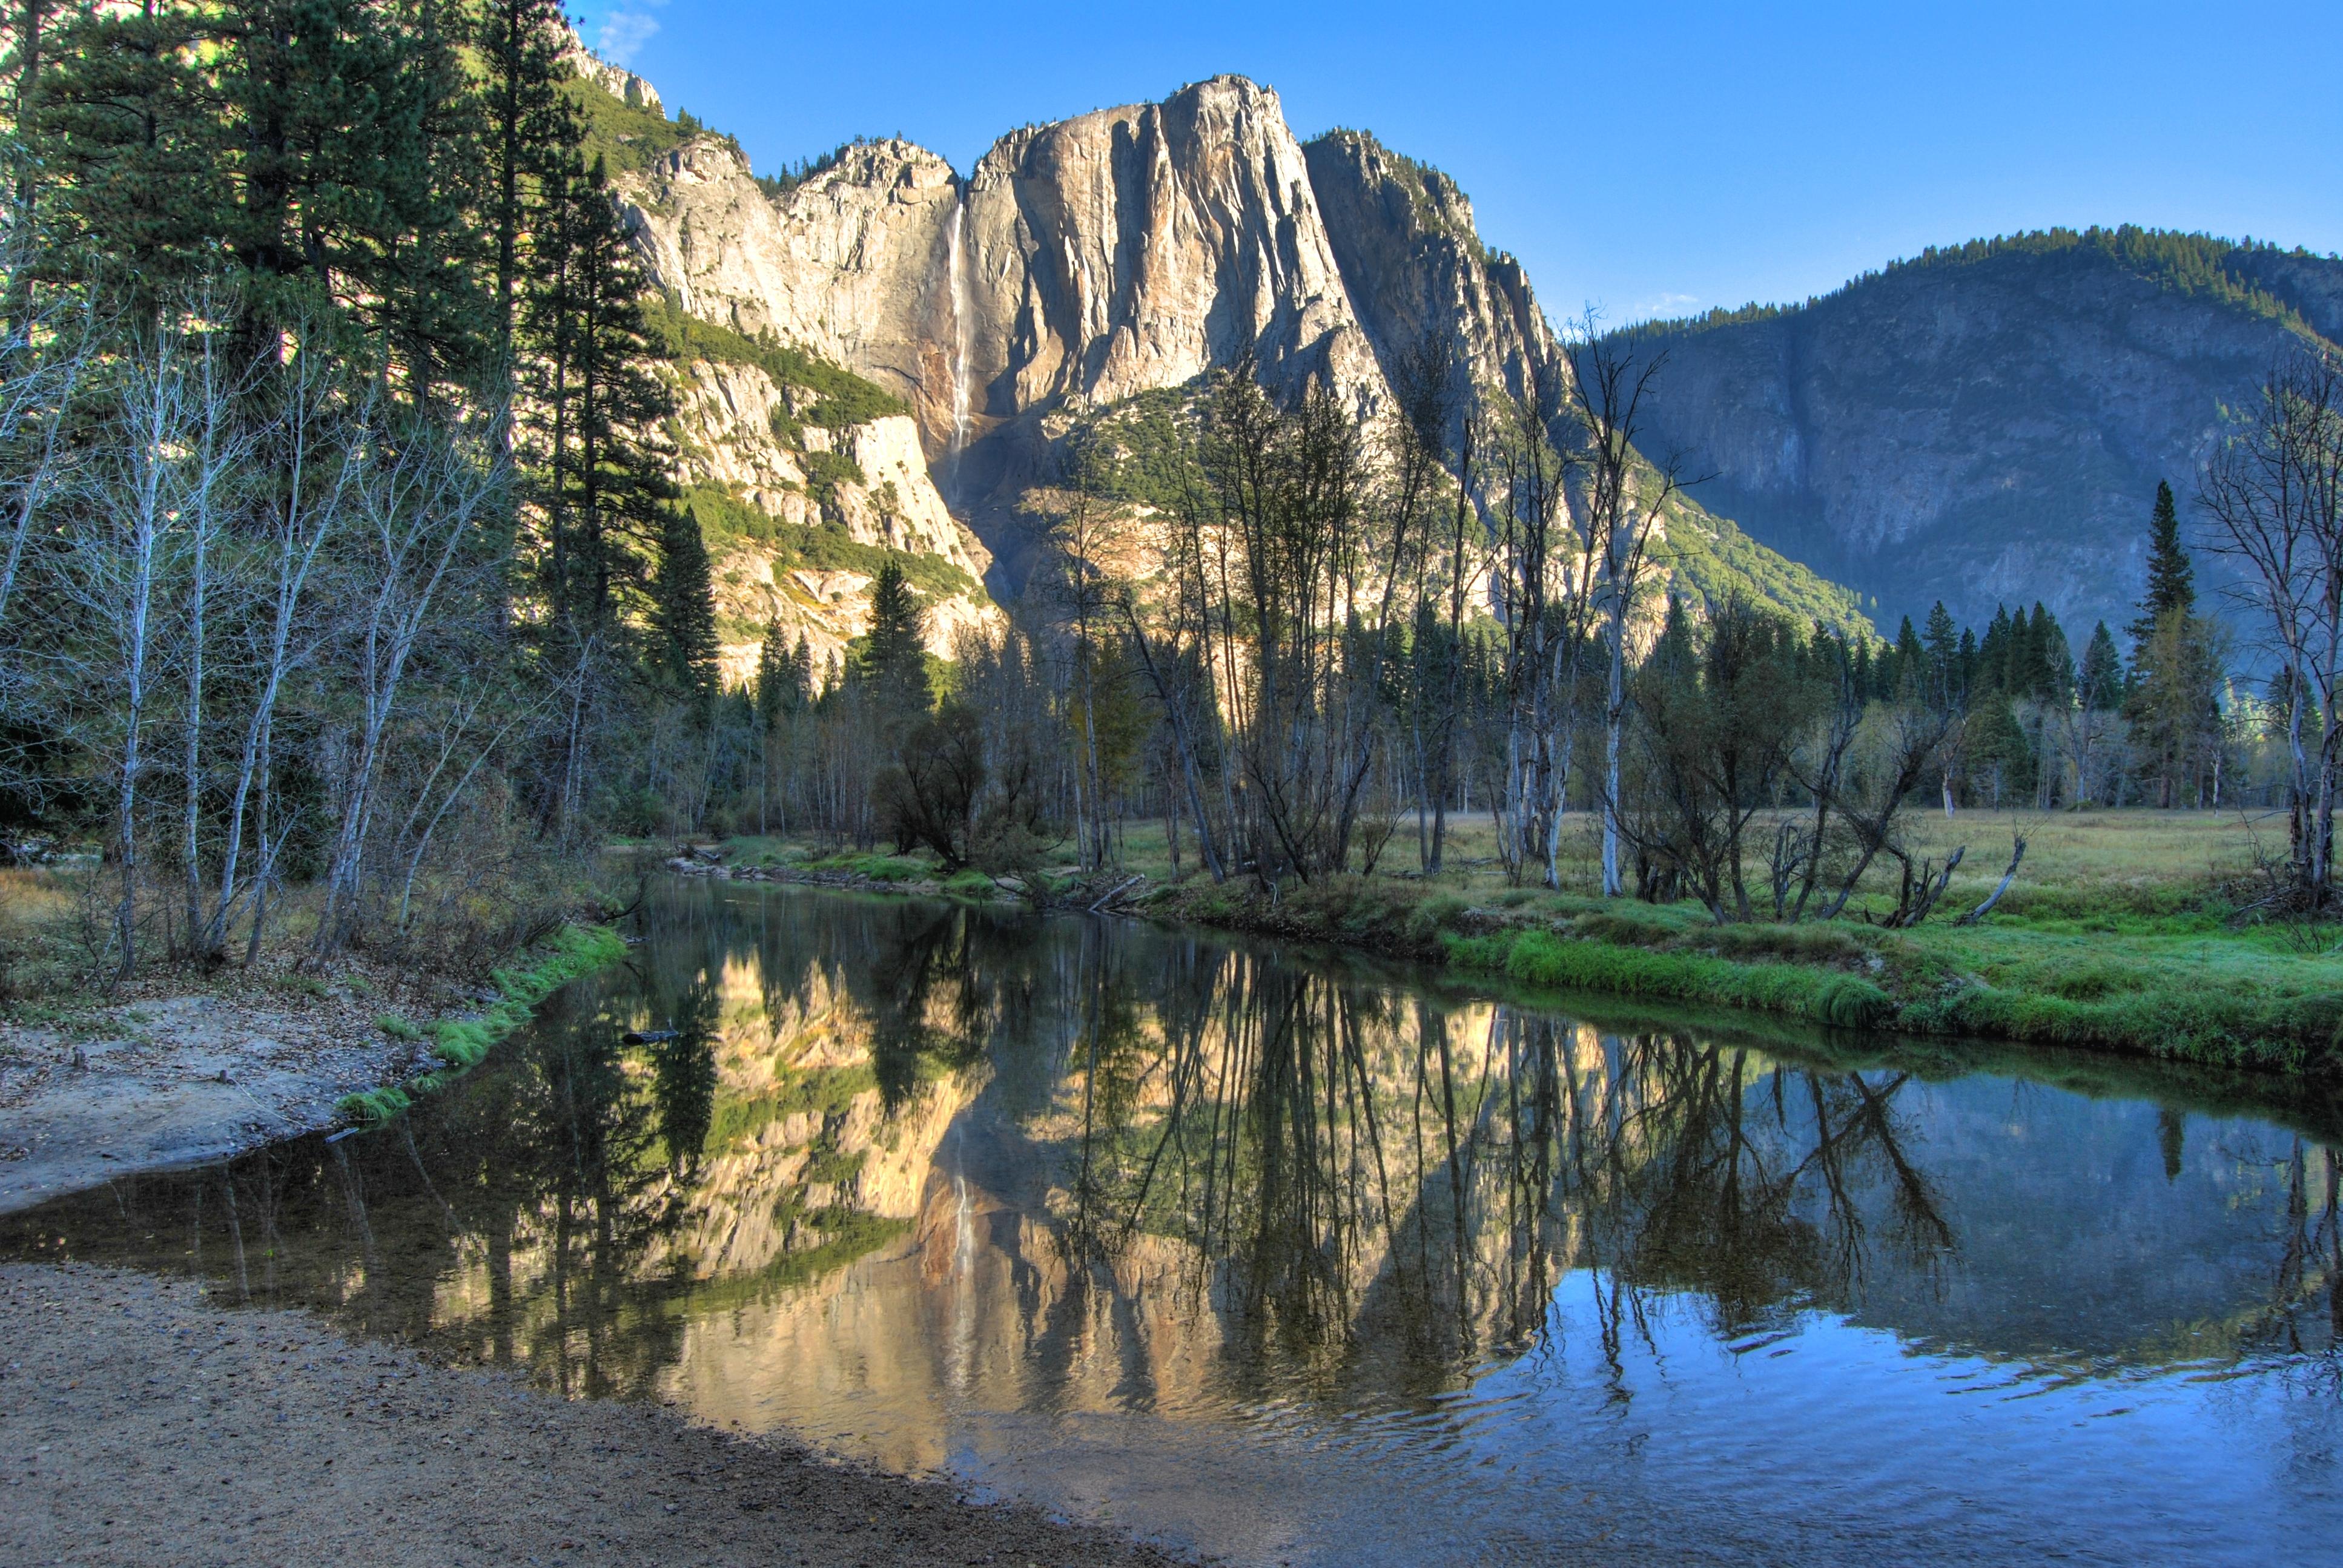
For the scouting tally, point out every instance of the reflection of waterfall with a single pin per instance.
(963, 1358)
(958, 267)
(964, 1230)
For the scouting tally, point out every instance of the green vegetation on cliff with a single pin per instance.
(842, 398)
(724, 516)
(625, 136)
(1710, 561)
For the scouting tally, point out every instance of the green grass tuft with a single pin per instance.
(462, 1043)
(1541, 958)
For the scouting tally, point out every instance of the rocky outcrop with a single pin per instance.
(615, 80)
(729, 412)
(850, 264)
(1138, 247)
(1987, 425)
(1082, 261)
(1416, 272)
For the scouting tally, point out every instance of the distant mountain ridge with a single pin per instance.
(1987, 422)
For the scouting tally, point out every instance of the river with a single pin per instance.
(1292, 1258)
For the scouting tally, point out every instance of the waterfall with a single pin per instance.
(958, 266)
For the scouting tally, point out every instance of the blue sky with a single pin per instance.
(1649, 158)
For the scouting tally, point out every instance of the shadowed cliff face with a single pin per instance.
(1981, 430)
(1416, 269)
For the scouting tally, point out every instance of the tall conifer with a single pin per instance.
(772, 677)
(683, 607)
(2171, 578)
(891, 658)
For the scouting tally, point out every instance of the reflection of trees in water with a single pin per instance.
(1351, 1184)
(930, 989)
(1710, 1181)
(683, 1078)
(541, 1183)
(1361, 1176)
(2304, 1314)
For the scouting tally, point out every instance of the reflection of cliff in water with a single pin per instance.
(895, 1160)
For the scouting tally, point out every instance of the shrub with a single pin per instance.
(1432, 916)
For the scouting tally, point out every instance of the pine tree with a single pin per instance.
(321, 147)
(2171, 696)
(126, 153)
(2099, 681)
(1993, 651)
(773, 673)
(801, 675)
(2053, 662)
(603, 401)
(1999, 760)
(1905, 668)
(683, 608)
(1941, 640)
(891, 658)
(2171, 578)
(531, 131)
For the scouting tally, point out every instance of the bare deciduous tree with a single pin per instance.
(2274, 493)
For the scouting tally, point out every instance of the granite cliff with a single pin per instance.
(1086, 263)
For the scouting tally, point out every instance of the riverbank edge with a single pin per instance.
(460, 1044)
(1871, 980)
(151, 1425)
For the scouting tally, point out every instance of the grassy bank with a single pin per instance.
(2119, 934)
(459, 1044)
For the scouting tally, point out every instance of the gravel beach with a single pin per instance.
(138, 1424)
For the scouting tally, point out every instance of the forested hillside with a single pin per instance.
(1987, 421)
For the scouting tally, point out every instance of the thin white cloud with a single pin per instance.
(1661, 306)
(628, 27)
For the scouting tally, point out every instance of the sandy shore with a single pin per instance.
(156, 1080)
(140, 1425)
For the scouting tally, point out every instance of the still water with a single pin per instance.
(1283, 1258)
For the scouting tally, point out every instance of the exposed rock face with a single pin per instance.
(728, 411)
(1138, 248)
(851, 264)
(1980, 430)
(615, 80)
(1416, 270)
(1112, 254)
(1083, 263)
